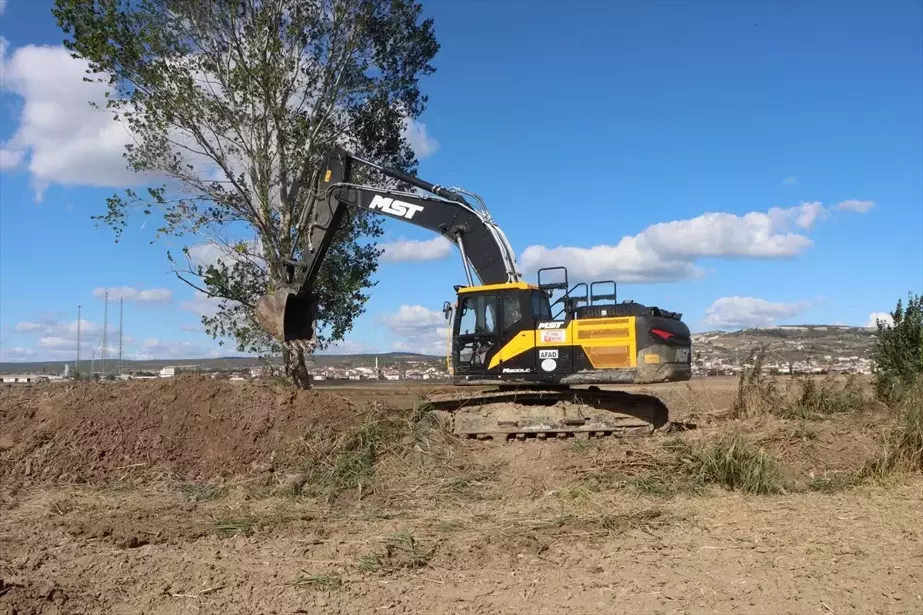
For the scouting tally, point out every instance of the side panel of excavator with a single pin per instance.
(505, 334)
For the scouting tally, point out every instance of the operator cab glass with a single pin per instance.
(476, 330)
(541, 306)
(486, 321)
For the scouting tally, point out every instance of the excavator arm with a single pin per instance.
(290, 312)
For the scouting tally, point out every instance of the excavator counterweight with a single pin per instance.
(535, 353)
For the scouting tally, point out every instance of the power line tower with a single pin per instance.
(121, 315)
(77, 365)
(105, 348)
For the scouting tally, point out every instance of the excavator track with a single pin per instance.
(553, 413)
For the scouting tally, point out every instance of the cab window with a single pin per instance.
(478, 315)
(541, 307)
(512, 312)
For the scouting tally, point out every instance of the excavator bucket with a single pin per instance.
(288, 316)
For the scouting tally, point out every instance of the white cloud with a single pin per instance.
(205, 254)
(58, 340)
(50, 327)
(413, 250)
(419, 330)
(422, 144)
(854, 205)
(211, 253)
(202, 304)
(746, 312)
(2, 6)
(66, 140)
(9, 159)
(17, 353)
(346, 347)
(791, 180)
(668, 251)
(884, 317)
(154, 348)
(809, 213)
(28, 326)
(128, 293)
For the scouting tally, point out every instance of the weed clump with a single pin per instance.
(757, 394)
(801, 398)
(328, 463)
(903, 446)
(319, 581)
(732, 462)
(402, 551)
(812, 399)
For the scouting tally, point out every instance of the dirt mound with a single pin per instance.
(190, 427)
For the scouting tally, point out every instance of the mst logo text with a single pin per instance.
(394, 207)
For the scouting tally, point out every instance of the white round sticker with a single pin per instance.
(549, 365)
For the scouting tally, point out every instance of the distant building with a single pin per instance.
(167, 372)
(24, 378)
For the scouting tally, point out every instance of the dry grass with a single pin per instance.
(319, 581)
(799, 397)
(807, 398)
(401, 551)
(329, 464)
(903, 446)
(731, 461)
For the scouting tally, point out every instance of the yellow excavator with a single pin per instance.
(535, 356)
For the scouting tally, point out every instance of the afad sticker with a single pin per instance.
(551, 337)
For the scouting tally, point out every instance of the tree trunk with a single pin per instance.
(296, 369)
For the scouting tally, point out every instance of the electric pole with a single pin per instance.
(77, 366)
(105, 348)
(121, 314)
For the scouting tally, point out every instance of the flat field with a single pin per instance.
(192, 495)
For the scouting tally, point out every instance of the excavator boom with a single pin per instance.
(289, 313)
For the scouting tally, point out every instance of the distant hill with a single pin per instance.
(791, 342)
(217, 364)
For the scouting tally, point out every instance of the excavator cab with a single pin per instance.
(515, 333)
(492, 318)
(488, 318)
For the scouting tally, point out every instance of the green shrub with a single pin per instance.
(898, 351)
(903, 446)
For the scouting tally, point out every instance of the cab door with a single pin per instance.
(477, 333)
(513, 357)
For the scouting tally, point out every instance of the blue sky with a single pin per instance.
(745, 164)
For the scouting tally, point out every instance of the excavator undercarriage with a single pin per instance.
(546, 349)
(553, 413)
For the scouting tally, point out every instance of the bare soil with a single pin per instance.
(191, 427)
(173, 497)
